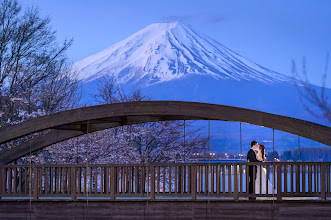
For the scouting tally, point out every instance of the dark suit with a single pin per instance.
(251, 157)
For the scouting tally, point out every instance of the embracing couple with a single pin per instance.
(257, 154)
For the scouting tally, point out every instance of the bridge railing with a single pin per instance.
(161, 181)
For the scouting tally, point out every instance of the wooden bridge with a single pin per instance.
(189, 190)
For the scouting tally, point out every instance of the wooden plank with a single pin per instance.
(158, 179)
(91, 179)
(279, 182)
(1, 181)
(152, 182)
(194, 182)
(136, 179)
(26, 180)
(112, 182)
(212, 178)
(322, 175)
(147, 179)
(309, 179)
(292, 180)
(241, 178)
(303, 178)
(260, 182)
(40, 180)
(35, 183)
(9, 186)
(142, 180)
(297, 179)
(15, 180)
(107, 181)
(235, 184)
(229, 178)
(218, 184)
(285, 179)
(247, 178)
(73, 182)
(164, 178)
(57, 180)
(102, 176)
(223, 179)
(254, 178)
(182, 185)
(267, 178)
(170, 179)
(317, 179)
(19, 180)
(96, 175)
(52, 180)
(328, 178)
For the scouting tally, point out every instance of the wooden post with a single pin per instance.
(73, 182)
(279, 182)
(235, 184)
(194, 182)
(112, 183)
(152, 182)
(2, 181)
(35, 183)
(322, 173)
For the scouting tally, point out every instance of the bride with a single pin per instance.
(260, 155)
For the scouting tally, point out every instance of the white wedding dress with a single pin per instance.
(262, 174)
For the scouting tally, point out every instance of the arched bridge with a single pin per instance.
(68, 124)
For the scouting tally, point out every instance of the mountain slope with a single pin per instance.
(166, 51)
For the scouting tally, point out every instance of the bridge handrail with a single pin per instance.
(179, 180)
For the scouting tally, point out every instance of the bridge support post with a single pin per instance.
(322, 177)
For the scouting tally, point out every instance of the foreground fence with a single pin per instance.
(155, 181)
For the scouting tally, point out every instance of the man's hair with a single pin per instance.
(253, 143)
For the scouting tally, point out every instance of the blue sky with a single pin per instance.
(270, 33)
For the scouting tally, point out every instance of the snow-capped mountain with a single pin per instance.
(163, 52)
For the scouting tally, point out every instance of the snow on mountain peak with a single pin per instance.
(167, 51)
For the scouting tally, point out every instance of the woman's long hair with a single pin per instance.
(262, 152)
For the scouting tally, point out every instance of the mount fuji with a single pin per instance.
(172, 61)
(163, 52)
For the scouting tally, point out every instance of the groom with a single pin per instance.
(251, 157)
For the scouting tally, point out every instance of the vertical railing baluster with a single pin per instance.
(235, 184)
(170, 180)
(285, 179)
(297, 179)
(241, 178)
(279, 182)
(223, 179)
(193, 182)
(303, 178)
(309, 179)
(152, 182)
(230, 178)
(218, 185)
(113, 180)
(322, 177)
(292, 181)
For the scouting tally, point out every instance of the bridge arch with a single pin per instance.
(73, 123)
